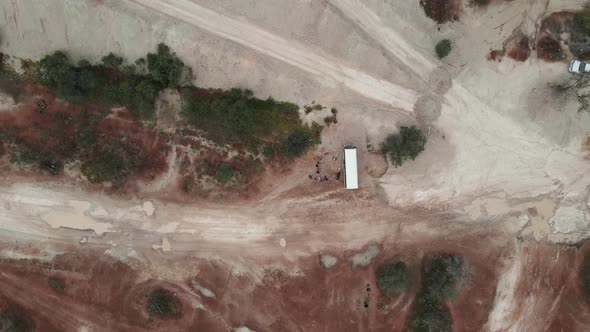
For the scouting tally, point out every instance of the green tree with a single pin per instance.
(56, 72)
(224, 173)
(297, 143)
(164, 304)
(392, 278)
(112, 61)
(443, 48)
(582, 21)
(407, 144)
(165, 67)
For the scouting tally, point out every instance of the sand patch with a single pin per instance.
(76, 218)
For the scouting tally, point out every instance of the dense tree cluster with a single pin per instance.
(236, 116)
(113, 84)
(440, 276)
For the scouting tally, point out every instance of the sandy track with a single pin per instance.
(391, 40)
(247, 231)
(329, 69)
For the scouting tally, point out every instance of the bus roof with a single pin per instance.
(350, 167)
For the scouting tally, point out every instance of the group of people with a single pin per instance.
(324, 178)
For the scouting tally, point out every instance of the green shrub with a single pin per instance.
(443, 48)
(268, 151)
(425, 4)
(14, 318)
(430, 312)
(431, 316)
(441, 274)
(57, 284)
(27, 156)
(167, 69)
(224, 173)
(299, 141)
(582, 21)
(407, 144)
(112, 61)
(392, 278)
(113, 164)
(164, 304)
(236, 116)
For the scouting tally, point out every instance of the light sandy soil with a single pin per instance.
(503, 180)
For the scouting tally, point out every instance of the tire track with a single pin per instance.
(326, 68)
(389, 39)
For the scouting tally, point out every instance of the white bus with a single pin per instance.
(351, 180)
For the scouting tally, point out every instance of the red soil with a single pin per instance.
(55, 132)
(442, 11)
(549, 49)
(111, 295)
(516, 47)
(519, 49)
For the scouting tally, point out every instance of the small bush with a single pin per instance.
(26, 156)
(582, 21)
(298, 142)
(441, 274)
(407, 144)
(268, 151)
(392, 278)
(443, 48)
(167, 69)
(224, 173)
(431, 316)
(113, 163)
(111, 61)
(57, 284)
(164, 304)
(14, 318)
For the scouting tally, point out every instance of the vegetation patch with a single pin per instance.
(550, 49)
(114, 146)
(563, 35)
(134, 86)
(224, 173)
(164, 304)
(443, 48)
(58, 285)
(392, 278)
(407, 144)
(237, 117)
(430, 311)
(14, 318)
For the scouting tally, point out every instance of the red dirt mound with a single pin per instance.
(442, 11)
(549, 49)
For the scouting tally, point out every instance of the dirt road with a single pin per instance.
(322, 66)
(414, 58)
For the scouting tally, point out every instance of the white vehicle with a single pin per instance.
(578, 67)
(351, 180)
